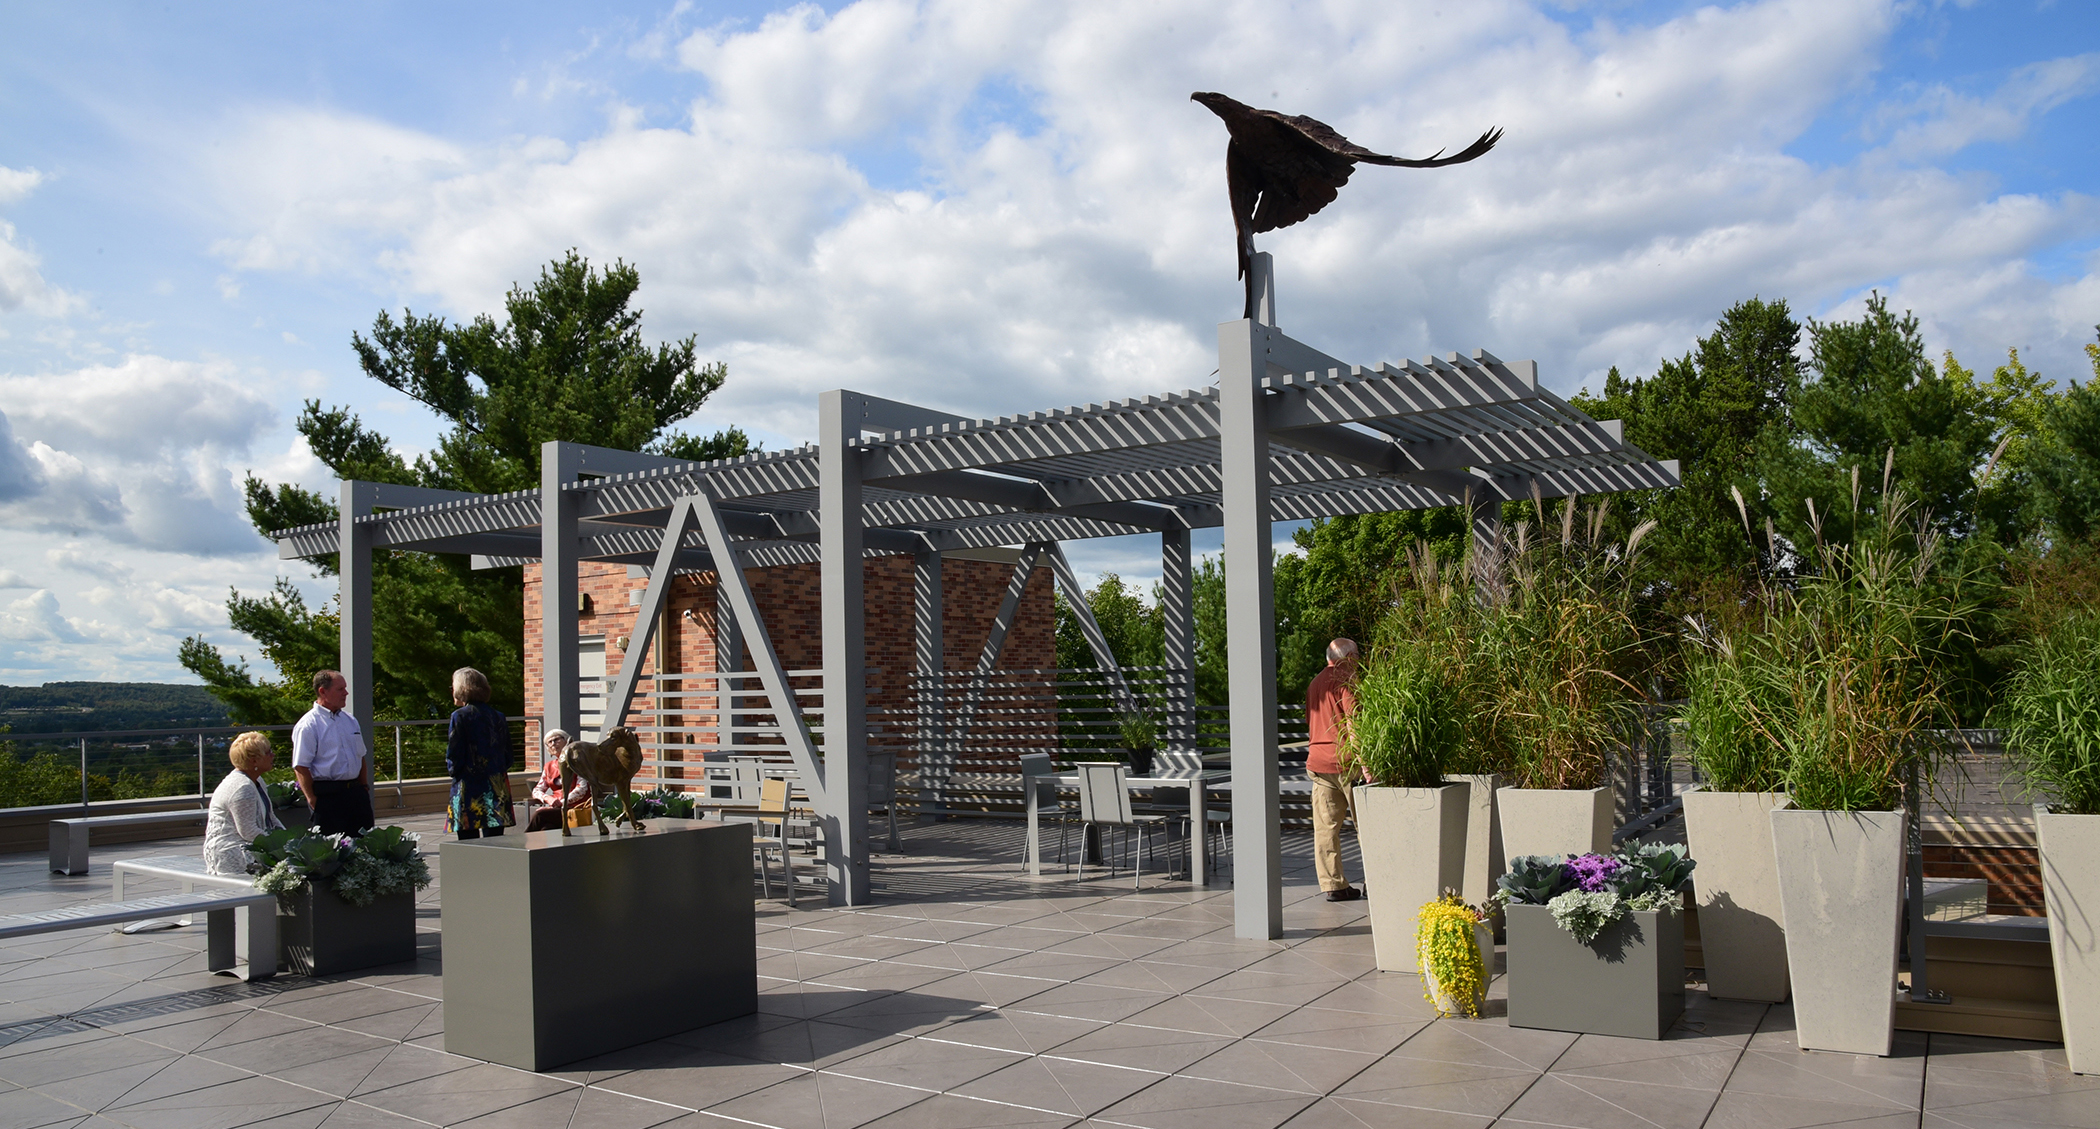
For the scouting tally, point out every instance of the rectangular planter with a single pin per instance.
(1553, 821)
(320, 934)
(1738, 892)
(1840, 889)
(2071, 890)
(1628, 981)
(1483, 836)
(1413, 842)
(562, 948)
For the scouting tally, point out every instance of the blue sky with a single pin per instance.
(985, 207)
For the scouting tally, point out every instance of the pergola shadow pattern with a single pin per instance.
(964, 996)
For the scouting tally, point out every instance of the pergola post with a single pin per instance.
(1250, 628)
(930, 695)
(559, 556)
(354, 591)
(1178, 609)
(845, 804)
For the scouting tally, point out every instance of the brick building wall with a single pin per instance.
(788, 599)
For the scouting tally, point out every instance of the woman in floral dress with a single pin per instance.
(477, 757)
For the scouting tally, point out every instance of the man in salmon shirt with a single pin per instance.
(1329, 699)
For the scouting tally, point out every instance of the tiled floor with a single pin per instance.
(967, 997)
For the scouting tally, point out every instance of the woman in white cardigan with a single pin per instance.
(240, 807)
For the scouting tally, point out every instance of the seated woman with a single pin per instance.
(546, 795)
(240, 806)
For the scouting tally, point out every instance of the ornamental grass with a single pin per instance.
(2051, 716)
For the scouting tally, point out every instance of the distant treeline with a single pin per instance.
(74, 707)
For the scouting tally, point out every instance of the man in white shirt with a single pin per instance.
(328, 757)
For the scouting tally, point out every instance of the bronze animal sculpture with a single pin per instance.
(1280, 169)
(608, 766)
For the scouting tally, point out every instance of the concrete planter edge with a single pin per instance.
(1737, 884)
(1413, 843)
(1627, 982)
(1554, 821)
(1840, 883)
(2070, 849)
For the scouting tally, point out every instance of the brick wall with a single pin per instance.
(788, 600)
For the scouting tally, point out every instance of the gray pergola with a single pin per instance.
(1287, 433)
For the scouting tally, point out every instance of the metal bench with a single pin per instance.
(241, 925)
(186, 869)
(69, 837)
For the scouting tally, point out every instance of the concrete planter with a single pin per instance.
(1840, 888)
(1554, 821)
(1628, 981)
(1483, 836)
(1443, 1000)
(1413, 842)
(2071, 889)
(1738, 890)
(320, 934)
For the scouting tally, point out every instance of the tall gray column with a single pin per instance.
(559, 556)
(844, 811)
(729, 658)
(1178, 609)
(929, 656)
(354, 589)
(1250, 628)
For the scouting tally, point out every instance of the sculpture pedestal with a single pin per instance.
(560, 949)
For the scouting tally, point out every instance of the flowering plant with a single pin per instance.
(1589, 892)
(1454, 970)
(362, 868)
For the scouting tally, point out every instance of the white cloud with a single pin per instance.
(1939, 121)
(22, 283)
(16, 184)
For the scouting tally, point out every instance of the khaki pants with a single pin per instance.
(1330, 804)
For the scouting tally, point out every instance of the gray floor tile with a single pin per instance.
(925, 1065)
(27, 1109)
(1146, 1048)
(1060, 1085)
(460, 1095)
(1207, 1015)
(1341, 1030)
(1603, 1103)
(1487, 1042)
(1346, 1113)
(1189, 1103)
(697, 1079)
(1694, 1071)
(231, 1103)
(579, 1109)
(405, 1064)
(1850, 1079)
(1740, 1109)
(819, 1101)
(1279, 1066)
(1016, 1031)
(1453, 1087)
(946, 1111)
(89, 1057)
(1091, 1001)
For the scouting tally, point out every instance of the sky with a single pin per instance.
(983, 207)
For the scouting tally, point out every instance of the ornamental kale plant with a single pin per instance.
(1589, 892)
(360, 867)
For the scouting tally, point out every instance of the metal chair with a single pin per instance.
(1105, 802)
(1036, 773)
(776, 816)
(882, 792)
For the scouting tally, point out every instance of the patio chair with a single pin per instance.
(775, 821)
(1105, 802)
(882, 792)
(1036, 773)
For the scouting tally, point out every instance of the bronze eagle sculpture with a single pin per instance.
(1282, 168)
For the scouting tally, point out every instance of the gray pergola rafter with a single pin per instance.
(1287, 433)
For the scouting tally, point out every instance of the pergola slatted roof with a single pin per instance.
(1343, 440)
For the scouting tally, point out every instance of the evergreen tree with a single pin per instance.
(567, 363)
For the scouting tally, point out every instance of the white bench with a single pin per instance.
(252, 937)
(186, 869)
(69, 837)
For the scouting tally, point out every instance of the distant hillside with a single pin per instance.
(80, 706)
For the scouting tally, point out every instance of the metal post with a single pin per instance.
(354, 574)
(842, 535)
(83, 777)
(1250, 628)
(203, 801)
(560, 707)
(399, 802)
(1914, 945)
(929, 694)
(1177, 605)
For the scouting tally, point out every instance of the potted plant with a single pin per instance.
(1855, 696)
(344, 902)
(666, 804)
(289, 803)
(1728, 820)
(1457, 946)
(1140, 734)
(2051, 717)
(1410, 822)
(1559, 651)
(1596, 942)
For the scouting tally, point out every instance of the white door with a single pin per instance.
(590, 686)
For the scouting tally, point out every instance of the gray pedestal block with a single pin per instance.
(1628, 981)
(560, 949)
(323, 935)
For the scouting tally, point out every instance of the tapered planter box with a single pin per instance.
(1413, 842)
(1554, 821)
(558, 949)
(1730, 833)
(2071, 889)
(320, 934)
(1840, 889)
(1483, 836)
(1628, 981)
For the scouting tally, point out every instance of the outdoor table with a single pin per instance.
(1197, 783)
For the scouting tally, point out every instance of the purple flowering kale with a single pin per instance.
(1592, 873)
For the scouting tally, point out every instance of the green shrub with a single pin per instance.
(1409, 719)
(2051, 716)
